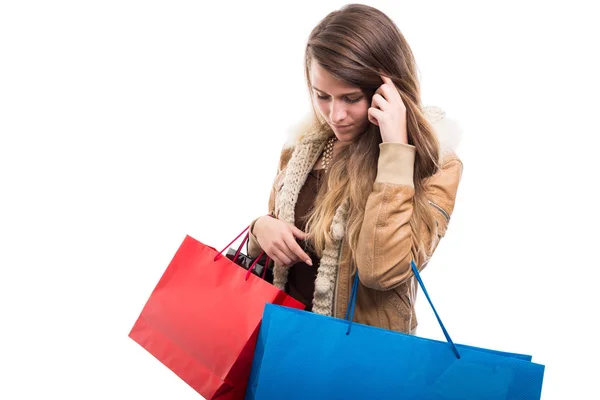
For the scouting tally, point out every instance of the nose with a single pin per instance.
(337, 113)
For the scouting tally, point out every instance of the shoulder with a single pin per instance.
(284, 158)
(449, 174)
(446, 180)
(448, 131)
(304, 130)
(449, 134)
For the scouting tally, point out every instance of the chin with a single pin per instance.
(346, 137)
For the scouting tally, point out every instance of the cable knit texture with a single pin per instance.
(306, 150)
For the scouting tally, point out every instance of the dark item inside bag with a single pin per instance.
(245, 262)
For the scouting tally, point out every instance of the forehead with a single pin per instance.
(325, 82)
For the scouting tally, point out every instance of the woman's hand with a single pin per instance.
(278, 240)
(388, 112)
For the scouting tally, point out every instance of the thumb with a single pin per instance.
(298, 233)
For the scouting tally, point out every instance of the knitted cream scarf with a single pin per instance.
(306, 153)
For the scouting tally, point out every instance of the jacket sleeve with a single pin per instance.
(386, 242)
(254, 248)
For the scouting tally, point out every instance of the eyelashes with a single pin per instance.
(350, 101)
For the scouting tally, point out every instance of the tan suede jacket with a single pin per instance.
(387, 289)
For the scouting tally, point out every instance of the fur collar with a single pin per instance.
(447, 129)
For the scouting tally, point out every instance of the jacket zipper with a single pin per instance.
(440, 209)
(337, 278)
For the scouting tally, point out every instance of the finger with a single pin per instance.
(382, 88)
(379, 102)
(385, 79)
(287, 250)
(297, 232)
(282, 257)
(389, 92)
(276, 260)
(375, 115)
(273, 256)
(297, 250)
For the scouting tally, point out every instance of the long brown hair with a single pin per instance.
(356, 44)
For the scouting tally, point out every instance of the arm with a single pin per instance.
(254, 248)
(386, 241)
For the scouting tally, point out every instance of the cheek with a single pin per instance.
(321, 106)
(361, 111)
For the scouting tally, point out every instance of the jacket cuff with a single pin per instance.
(251, 228)
(252, 247)
(396, 164)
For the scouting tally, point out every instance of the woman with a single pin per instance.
(366, 187)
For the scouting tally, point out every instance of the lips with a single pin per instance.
(341, 126)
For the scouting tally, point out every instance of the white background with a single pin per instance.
(126, 125)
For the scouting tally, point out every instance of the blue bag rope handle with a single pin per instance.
(350, 311)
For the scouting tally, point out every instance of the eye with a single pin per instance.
(348, 100)
(352, 101)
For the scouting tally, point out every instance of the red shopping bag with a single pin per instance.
(203, 317)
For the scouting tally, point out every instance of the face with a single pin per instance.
(344, 107)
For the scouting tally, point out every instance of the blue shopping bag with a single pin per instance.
(302, 355)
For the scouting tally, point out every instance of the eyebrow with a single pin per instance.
(345, 94)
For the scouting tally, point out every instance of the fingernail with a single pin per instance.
(309, 262)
